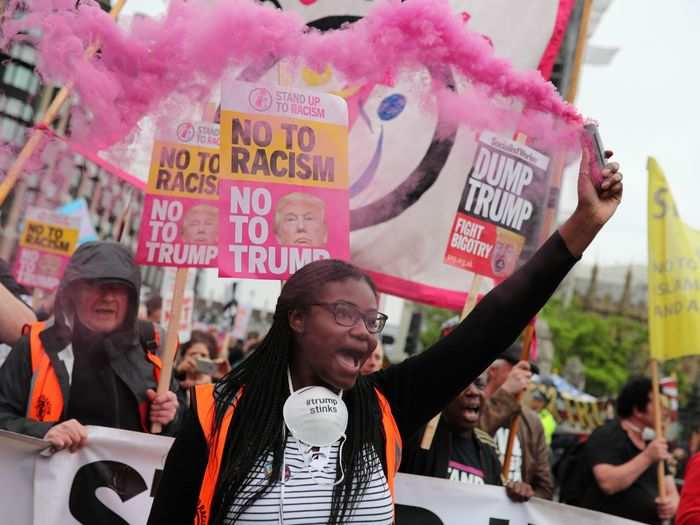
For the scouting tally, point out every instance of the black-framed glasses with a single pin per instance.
(347, 314)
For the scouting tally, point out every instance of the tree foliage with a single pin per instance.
(432, 321)
(611, 348)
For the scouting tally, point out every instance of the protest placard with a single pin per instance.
(284, 169)
(501, 207)
(79, 208)
(179, 225)
(47, 242)
(240, 326)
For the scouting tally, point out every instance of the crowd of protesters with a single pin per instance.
(87, 357)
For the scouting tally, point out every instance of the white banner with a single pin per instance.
(18, 455)
(113, 479)
(430, 501)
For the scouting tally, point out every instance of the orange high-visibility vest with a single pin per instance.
(205, 407)
(45, 396)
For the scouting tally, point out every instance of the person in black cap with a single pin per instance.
(507, 378)
(87, 365)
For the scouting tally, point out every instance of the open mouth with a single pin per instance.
(471, 408)
(352, 360)
(105, 311)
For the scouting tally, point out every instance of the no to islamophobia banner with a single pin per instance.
(674, 273)
(284, 178)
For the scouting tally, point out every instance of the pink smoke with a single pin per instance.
(190, 48)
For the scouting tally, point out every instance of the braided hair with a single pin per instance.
(257, 426)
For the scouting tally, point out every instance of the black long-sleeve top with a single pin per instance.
(417, 389)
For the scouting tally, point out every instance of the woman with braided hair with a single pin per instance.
(296, 435)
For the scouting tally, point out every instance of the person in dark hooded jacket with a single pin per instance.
(87, 366)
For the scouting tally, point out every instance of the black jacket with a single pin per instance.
(416, 389)
(126, 371)
(434, 462)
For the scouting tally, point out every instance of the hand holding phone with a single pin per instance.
(595, 147)
(205, 366)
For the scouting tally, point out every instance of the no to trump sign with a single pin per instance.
(180, 221)
(284, 180)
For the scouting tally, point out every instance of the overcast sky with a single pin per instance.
(646, 101)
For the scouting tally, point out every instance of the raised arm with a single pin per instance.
(14, 314)
(421, 386)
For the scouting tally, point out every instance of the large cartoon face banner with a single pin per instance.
(408, 169)
(48, 240)
(502, 206)
(180, 221)
(284, 178)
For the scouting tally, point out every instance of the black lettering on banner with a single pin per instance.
(661, 203)
(410, 515)
(174, 158)
(245, 134)
(498, 521)
(119, 477)
(157, 476)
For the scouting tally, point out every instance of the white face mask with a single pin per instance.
(315, 416)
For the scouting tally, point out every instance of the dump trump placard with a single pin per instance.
(284, 179)
(180, 221)
(503, 197)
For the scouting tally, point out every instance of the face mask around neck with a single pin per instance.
(315, 415)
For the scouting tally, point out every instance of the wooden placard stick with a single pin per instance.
(658, 427)
(528, 337)
(171, 342)
(124, 222)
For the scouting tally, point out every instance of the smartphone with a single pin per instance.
(598, 149)
(205, 366)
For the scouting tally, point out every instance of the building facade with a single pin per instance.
(57, 175)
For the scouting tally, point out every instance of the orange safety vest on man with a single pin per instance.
(205, 408)
(45, 394)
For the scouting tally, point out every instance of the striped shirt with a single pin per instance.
(308, 490)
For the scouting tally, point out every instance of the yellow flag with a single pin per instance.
(674, 274)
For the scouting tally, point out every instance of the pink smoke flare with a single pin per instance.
(190, 48)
